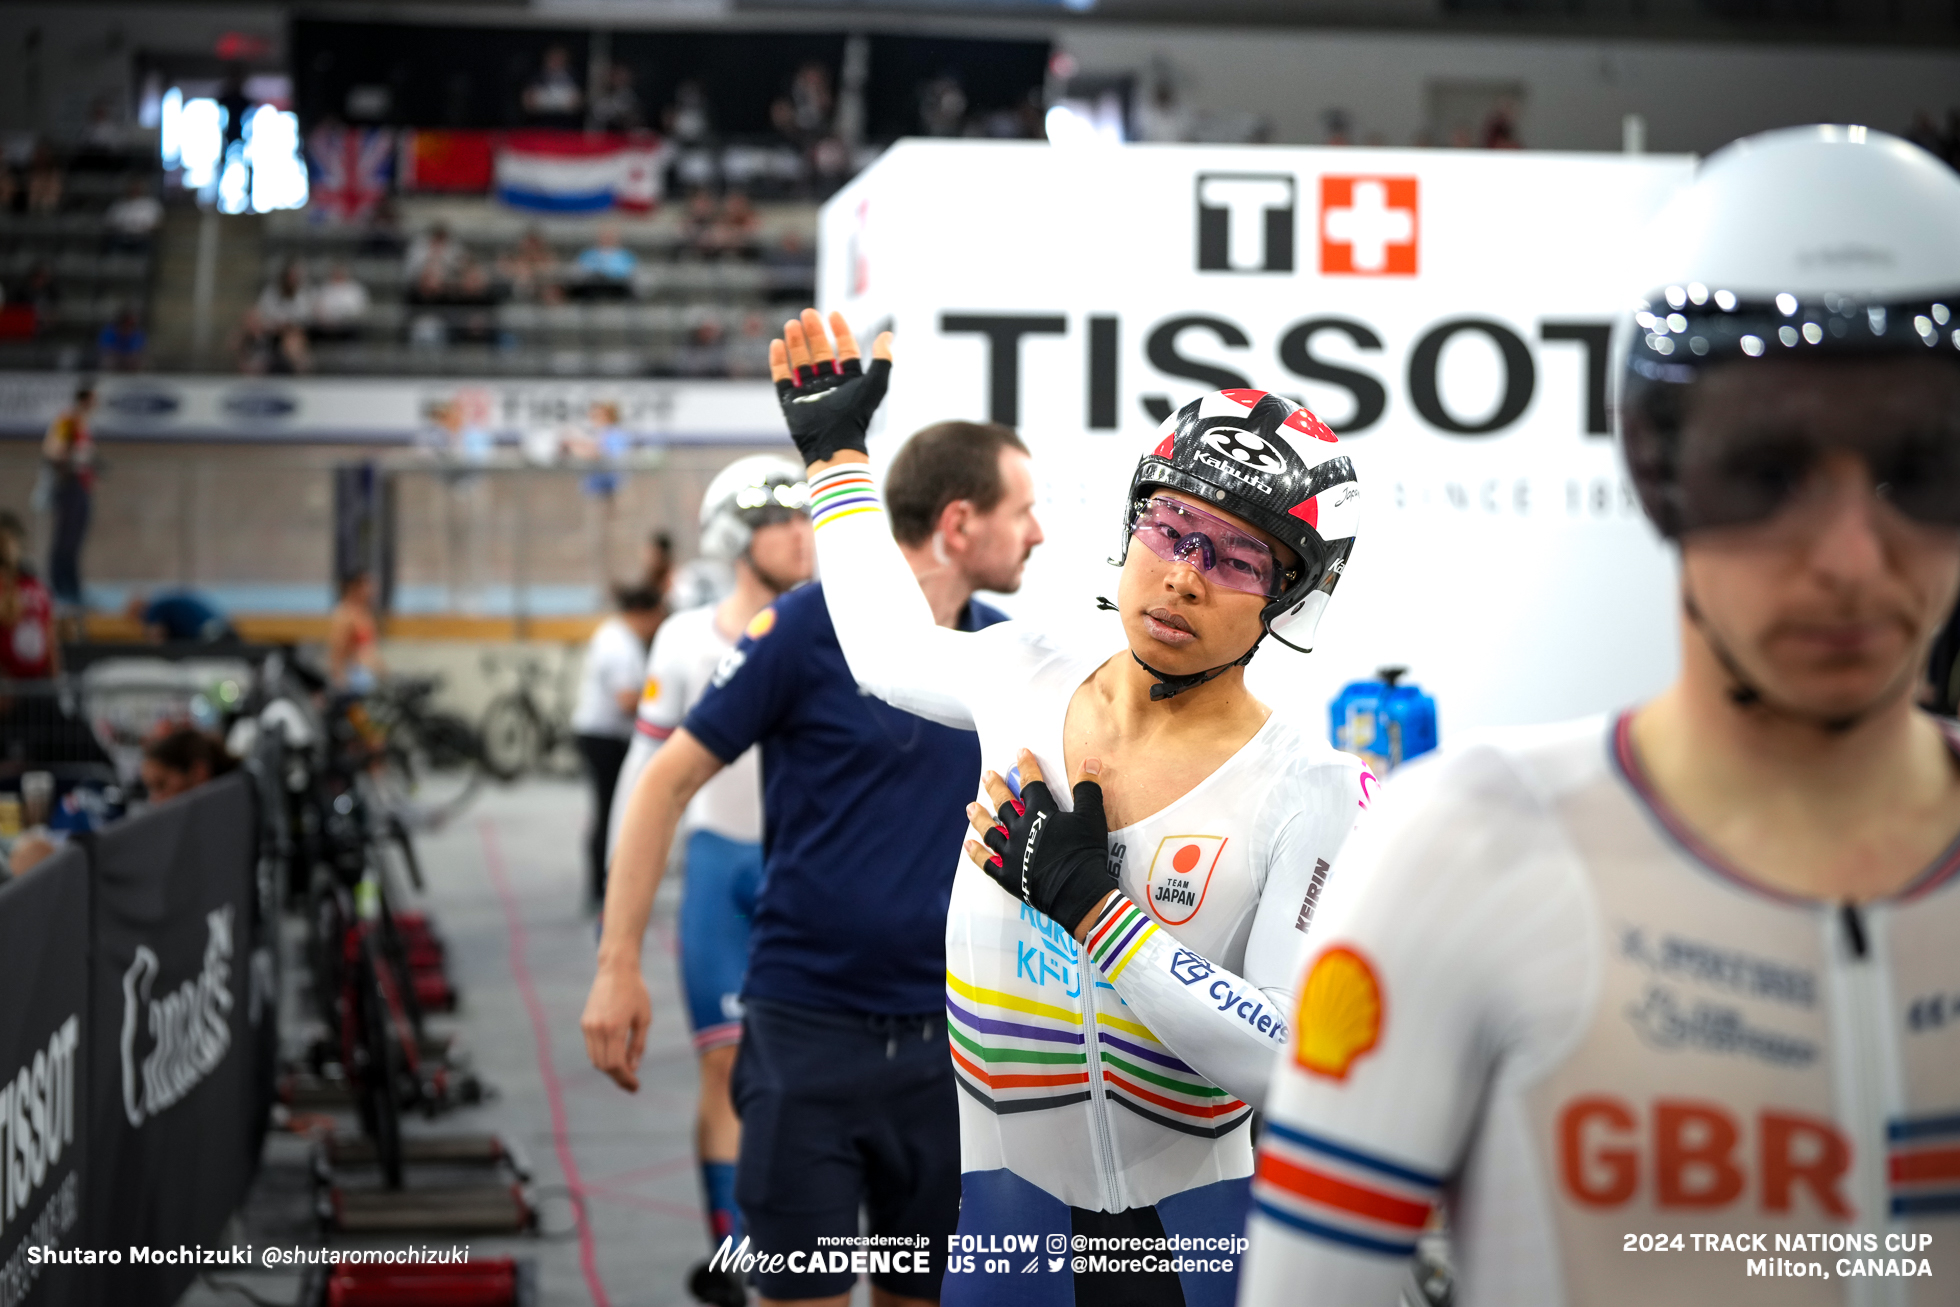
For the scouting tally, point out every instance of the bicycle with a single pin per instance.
(431, 760)
(367, 983)
(519, 735)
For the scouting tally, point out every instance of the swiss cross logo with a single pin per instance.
(1368, 226)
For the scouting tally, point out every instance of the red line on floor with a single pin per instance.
(679, 1211)
(520, 971)
(641, 1174)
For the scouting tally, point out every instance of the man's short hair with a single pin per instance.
(940, 465)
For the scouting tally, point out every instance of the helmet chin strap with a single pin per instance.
(1744, 693)
(1171, 684)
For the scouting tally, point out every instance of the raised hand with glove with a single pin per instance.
(828, 396)
(1056, 862)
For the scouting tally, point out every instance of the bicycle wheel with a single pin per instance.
(420, 796)
(512, 737)
(377, 1071)
(449, 741)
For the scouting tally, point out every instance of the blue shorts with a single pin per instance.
(1044, 1253)
(717, 904)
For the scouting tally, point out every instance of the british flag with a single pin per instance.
(350, 167)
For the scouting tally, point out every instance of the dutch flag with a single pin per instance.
(573, 172)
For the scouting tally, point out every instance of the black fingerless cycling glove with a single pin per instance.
(1056, 861)
(828, 406)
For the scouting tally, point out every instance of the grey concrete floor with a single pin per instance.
(504, 889)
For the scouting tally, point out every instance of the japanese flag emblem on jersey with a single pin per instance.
(1180, 873)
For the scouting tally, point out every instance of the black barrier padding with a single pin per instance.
(172, 1128)
(43, 1075)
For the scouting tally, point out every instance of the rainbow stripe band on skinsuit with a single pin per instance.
(843, 492)
(1117, 937)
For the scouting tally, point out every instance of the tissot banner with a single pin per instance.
(43, 1077)
(171, 1121)
(1448, 311)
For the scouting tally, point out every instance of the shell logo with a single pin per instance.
(761, 624)
(651, 690)
(1339, 1015)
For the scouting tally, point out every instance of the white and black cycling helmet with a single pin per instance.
(1273, 464)
(750, 493)
(1806, 243)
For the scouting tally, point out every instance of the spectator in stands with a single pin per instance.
(381, 234)
(737, 224)
(553, 98)
(179, 617)
(285, 301)
(180, 759)
(472, 284)
(698, 222)
(942, 106)
(105, 132)
(706, 352)
(602, 722)
(339, 306)
(748, 353)
(44, 183)
(119, 345)
(68, 452)
(134, 218)
(13, 196)
(433, 258)
(617, 107)
(606, 265)
(687, 120)
(532, 269)
(353, 655)
(253, 343)
(28, 649)
(290, 354)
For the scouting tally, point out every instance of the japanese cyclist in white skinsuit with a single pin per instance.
(1108, 1086)
(1664, 1006)
(754, 519)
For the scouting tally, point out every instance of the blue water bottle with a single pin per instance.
(1384, 722)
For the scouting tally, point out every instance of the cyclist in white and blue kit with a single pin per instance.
(1117, 969)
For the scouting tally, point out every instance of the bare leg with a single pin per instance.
(717, 1130)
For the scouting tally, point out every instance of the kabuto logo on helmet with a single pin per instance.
(1272, 463)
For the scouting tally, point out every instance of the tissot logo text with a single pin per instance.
(1245, 222)
(1368, 226)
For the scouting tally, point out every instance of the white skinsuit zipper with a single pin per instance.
(1866, 1080)
(1100, 1142)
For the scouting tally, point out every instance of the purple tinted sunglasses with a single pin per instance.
(1178, 532)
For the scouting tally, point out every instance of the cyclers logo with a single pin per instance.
(190, 1027)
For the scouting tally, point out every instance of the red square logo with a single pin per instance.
(1368, 226)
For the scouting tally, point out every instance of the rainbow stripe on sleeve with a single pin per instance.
(1116, 938)
(843, 492)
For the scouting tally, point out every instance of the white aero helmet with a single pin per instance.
(1804, 243)
(756, 491)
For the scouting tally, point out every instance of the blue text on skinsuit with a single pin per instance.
(1252, 1011)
